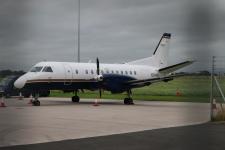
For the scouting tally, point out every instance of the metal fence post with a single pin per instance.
(212, 85)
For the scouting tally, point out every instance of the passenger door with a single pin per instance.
(68, 75)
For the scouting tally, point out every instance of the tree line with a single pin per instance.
(4, 73)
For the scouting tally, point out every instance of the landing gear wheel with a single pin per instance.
(128, 101)
(75, 99)
(36, 103)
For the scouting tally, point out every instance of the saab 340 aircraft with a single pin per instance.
(117, 78)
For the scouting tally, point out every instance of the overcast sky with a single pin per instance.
(116, 31)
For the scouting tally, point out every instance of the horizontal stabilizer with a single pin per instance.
(140, 83)
(173, 68)
(146, 82)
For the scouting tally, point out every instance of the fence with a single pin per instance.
(217, 98)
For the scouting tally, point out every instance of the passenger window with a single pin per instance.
(76, 71)
(130, 72)
(107, 72)
(47, 69)
(86, 71)
(117, 72)
(121, 72)
(126, 72)
(135, 72)
(92, 72)
(112, 71)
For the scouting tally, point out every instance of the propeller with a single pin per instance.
(97, 62)
(99, 78)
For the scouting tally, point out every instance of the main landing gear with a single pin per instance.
(128, 100)
(36, 102)
(75, 99)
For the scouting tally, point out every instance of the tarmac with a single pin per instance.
(58, 119)
(207, 136)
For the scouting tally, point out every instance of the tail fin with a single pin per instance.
(161, 52)
(160, 55)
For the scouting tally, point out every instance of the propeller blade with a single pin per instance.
(97, 62)
(98, 73)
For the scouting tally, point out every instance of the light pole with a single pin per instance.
(78, 55)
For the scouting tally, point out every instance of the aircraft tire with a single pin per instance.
(128, 101)
(36, 103)
(75, 99)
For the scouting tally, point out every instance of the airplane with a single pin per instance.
(116, 78)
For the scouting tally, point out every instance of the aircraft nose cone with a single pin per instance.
(20, 82)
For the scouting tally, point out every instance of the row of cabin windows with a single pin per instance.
(107, 72)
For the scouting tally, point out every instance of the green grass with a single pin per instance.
(192, 89)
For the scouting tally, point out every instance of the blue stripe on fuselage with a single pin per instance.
(111, 82)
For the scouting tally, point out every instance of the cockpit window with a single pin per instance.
(47, 69)
(36, 69)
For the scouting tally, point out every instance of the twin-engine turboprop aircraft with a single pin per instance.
(117, 78)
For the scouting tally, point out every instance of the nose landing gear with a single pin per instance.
(36, 102)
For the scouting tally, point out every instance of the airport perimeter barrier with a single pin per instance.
(217, 96)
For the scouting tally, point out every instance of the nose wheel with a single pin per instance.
(36, 102)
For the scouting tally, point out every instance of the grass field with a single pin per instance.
(191, 88)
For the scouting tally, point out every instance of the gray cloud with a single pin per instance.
(114, 30)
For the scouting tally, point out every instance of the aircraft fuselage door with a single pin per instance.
(68, 75)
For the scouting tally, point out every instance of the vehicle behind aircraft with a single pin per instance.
(7, 88)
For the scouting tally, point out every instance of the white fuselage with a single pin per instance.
(69, 71)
